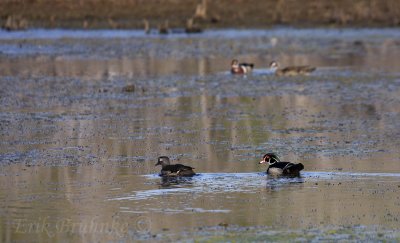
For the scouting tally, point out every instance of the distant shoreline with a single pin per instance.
(129, 14)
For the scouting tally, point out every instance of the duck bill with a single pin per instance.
(261, 162)
(158, 163)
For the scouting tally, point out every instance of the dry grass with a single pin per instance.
(221, 13)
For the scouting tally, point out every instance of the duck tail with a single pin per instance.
(297, 167)
(245, 64)
(311, 69)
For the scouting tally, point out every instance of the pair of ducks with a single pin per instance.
(244, 68)
(276, 167)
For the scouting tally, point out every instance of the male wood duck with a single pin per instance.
(290, 71)
(173, 170)
(276, 167)
(241, 68)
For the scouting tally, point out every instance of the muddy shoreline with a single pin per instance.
(95, 14)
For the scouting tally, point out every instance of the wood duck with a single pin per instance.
(290, 71)
(276, 167)
(241, 68)
(173, 170)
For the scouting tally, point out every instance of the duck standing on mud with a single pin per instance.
(276, 167)
(241, 68)
(173, 170)
(290, 71)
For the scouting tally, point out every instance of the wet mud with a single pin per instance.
(92, 14)
(84, 116)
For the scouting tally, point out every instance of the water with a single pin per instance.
(77, 152)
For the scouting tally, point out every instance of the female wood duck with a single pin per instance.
(173, 170)
(276, 167)
(290, 71)
(241, 68)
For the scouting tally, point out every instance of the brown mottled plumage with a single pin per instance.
(291, 70)
(173, 170)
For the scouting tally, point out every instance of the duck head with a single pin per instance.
(270, 158)
(235, 63)
(162, 160)
(274, 65)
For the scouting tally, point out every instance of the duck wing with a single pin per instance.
(251, 65)
(183, 167)
(293, 168)
(177, 168)
(295, 70)
(301, 69)
(306, 69)
(280, 165)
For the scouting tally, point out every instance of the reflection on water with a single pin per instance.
(245, 182)
(171, 182)
(97, 58)
(77, 153)
(99, 69)
(142, 208)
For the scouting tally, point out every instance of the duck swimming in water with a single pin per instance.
(241, 68)
(290, 71)
(276, 167)
(173, 170)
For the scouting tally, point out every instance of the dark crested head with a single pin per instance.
(270, 158)
(162, 160)
(274, 65)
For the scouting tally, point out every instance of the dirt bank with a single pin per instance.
(209, 14)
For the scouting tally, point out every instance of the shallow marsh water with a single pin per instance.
(77, 152)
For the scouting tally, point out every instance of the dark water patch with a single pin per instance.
(64, 156)
(18, 157)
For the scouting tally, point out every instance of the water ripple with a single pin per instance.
(241, 182)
